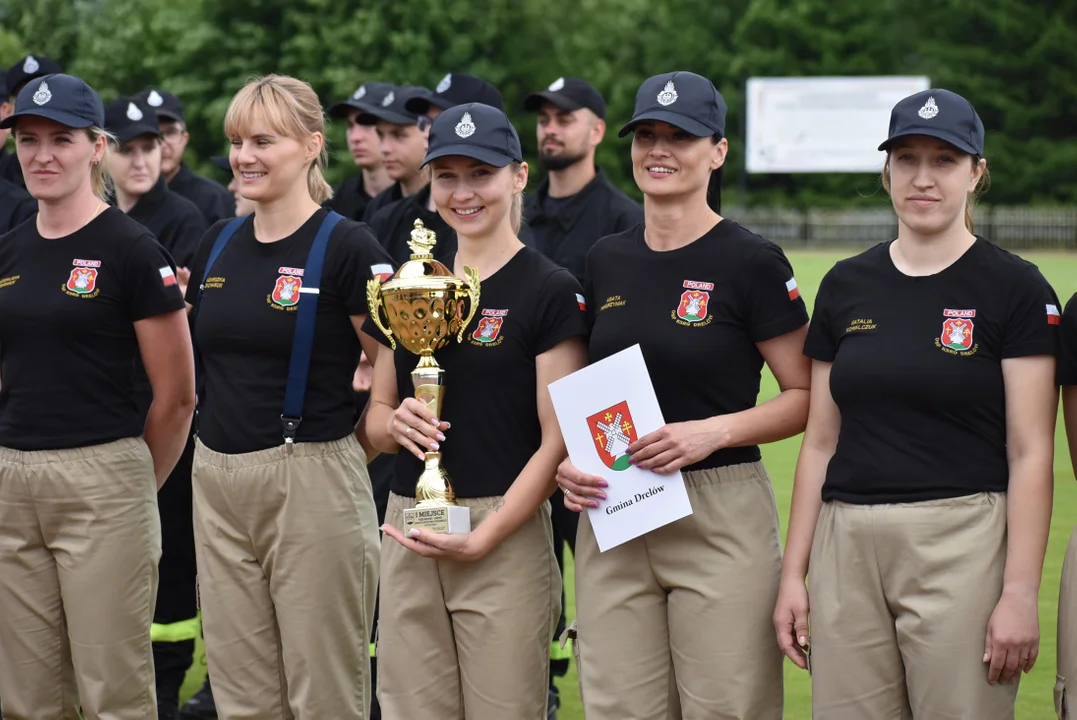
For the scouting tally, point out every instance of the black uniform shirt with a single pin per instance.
(697, 313)
(917, 370)
(10, 169)
(16, 206)
(175, 221)
(392, 194)
(350, 199)
(215, 202)
(246, 322)
(566, 230)
(392, 225)
(1067, 344)
(525, 308)
(67, 337)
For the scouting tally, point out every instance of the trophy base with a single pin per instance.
(445, 520)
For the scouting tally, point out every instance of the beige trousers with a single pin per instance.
(1067, 633)
(468, 641)
(677, 623)
(287, 548)
(80, 538)
(900, 599)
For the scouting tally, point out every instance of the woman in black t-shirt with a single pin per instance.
(923, 489)
(681, 615)
(1067, 596)
(466, 619)
(285, 528)
(84, 290)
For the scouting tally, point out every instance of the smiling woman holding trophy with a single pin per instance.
(470, 590)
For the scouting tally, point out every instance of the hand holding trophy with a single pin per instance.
(424, 306)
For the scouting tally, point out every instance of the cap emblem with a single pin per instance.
(31, 65)
(154, 99)
(133, 113)
(42, 95)
(668, 96)
(360, 93)
(388, 99)
(929, 110)
(557, 84)
(465, 128)
(445, 84)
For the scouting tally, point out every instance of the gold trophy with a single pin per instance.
(424, 304)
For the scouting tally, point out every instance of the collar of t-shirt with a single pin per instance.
(567, 211)
(151, 200)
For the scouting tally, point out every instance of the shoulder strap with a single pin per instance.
(227, 232)
(303, 339)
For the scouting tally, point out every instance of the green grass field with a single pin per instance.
(1034, 701)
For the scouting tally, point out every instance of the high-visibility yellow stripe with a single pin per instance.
(559, 653)
(176, 632)
(373, 649)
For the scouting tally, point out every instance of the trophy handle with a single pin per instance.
(473, 299)
(374, 301)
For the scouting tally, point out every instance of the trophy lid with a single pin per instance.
(422, 264)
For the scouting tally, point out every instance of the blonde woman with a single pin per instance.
(84, 290)
(286, 533)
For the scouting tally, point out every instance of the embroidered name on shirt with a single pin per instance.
(861, 325)
(956, 337)
(214, 283)
(9, 281)
(613, 301)
(286, 292)
(82, 282)
(488, 331)
(694, 303)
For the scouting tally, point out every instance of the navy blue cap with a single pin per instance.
(128, 118)
(65, 99)
(568, 93)
(368, 94)
(939, 114)
(29, 68)
(457, 89)
(222, 163)
(682, 99)
(391, 108)
(166, 105)
(476, 131)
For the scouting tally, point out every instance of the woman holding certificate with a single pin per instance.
(466, 619)
(681, 616)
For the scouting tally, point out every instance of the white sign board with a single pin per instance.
(822, 124)
(602, 409)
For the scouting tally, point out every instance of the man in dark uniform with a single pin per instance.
(573, 207)
(16, 205)
(351, 197)
(22, 72)
(213, 200)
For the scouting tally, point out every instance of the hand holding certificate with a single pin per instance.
(602, 409)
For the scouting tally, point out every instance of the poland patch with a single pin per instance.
(167, 276)
(792, 289)
(382, 271)
(582, 303)
(1053, 318)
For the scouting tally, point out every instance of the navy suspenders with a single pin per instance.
(306, 315)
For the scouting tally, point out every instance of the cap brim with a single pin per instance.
(131, 132)
(534, 101)
(689, 125)
(222, 163)
(368, 112)
(341, 109)
(421, 105)
(66, 119)
(168, 115)
(484, 155)
(938, 134)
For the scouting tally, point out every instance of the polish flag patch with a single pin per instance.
(167, 276)
(581, 302)
(791, 287)
(1053, 318)
(382, 271)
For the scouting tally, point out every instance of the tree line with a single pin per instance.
(1015, 60)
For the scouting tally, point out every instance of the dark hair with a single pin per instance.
(714, 186)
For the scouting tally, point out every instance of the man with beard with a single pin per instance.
(214, 201)
(353, 196)
(572, 209)
(575, 205)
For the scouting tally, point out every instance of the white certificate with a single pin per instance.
(601, 410)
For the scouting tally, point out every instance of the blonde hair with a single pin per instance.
(516, 210)
(291, 108)
(100, 180)
(970, 201)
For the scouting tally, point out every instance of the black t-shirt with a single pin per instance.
(697, 313)
(246, 322)
(525, 308)
(175, 221)
(350, 199)
(16, 206)
(1067, 344)
(211, 198)
(917, 370)
(10, 169)
(392, 194)
(67, 337)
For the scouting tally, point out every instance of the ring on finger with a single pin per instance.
(565, 490)
(409, 431)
